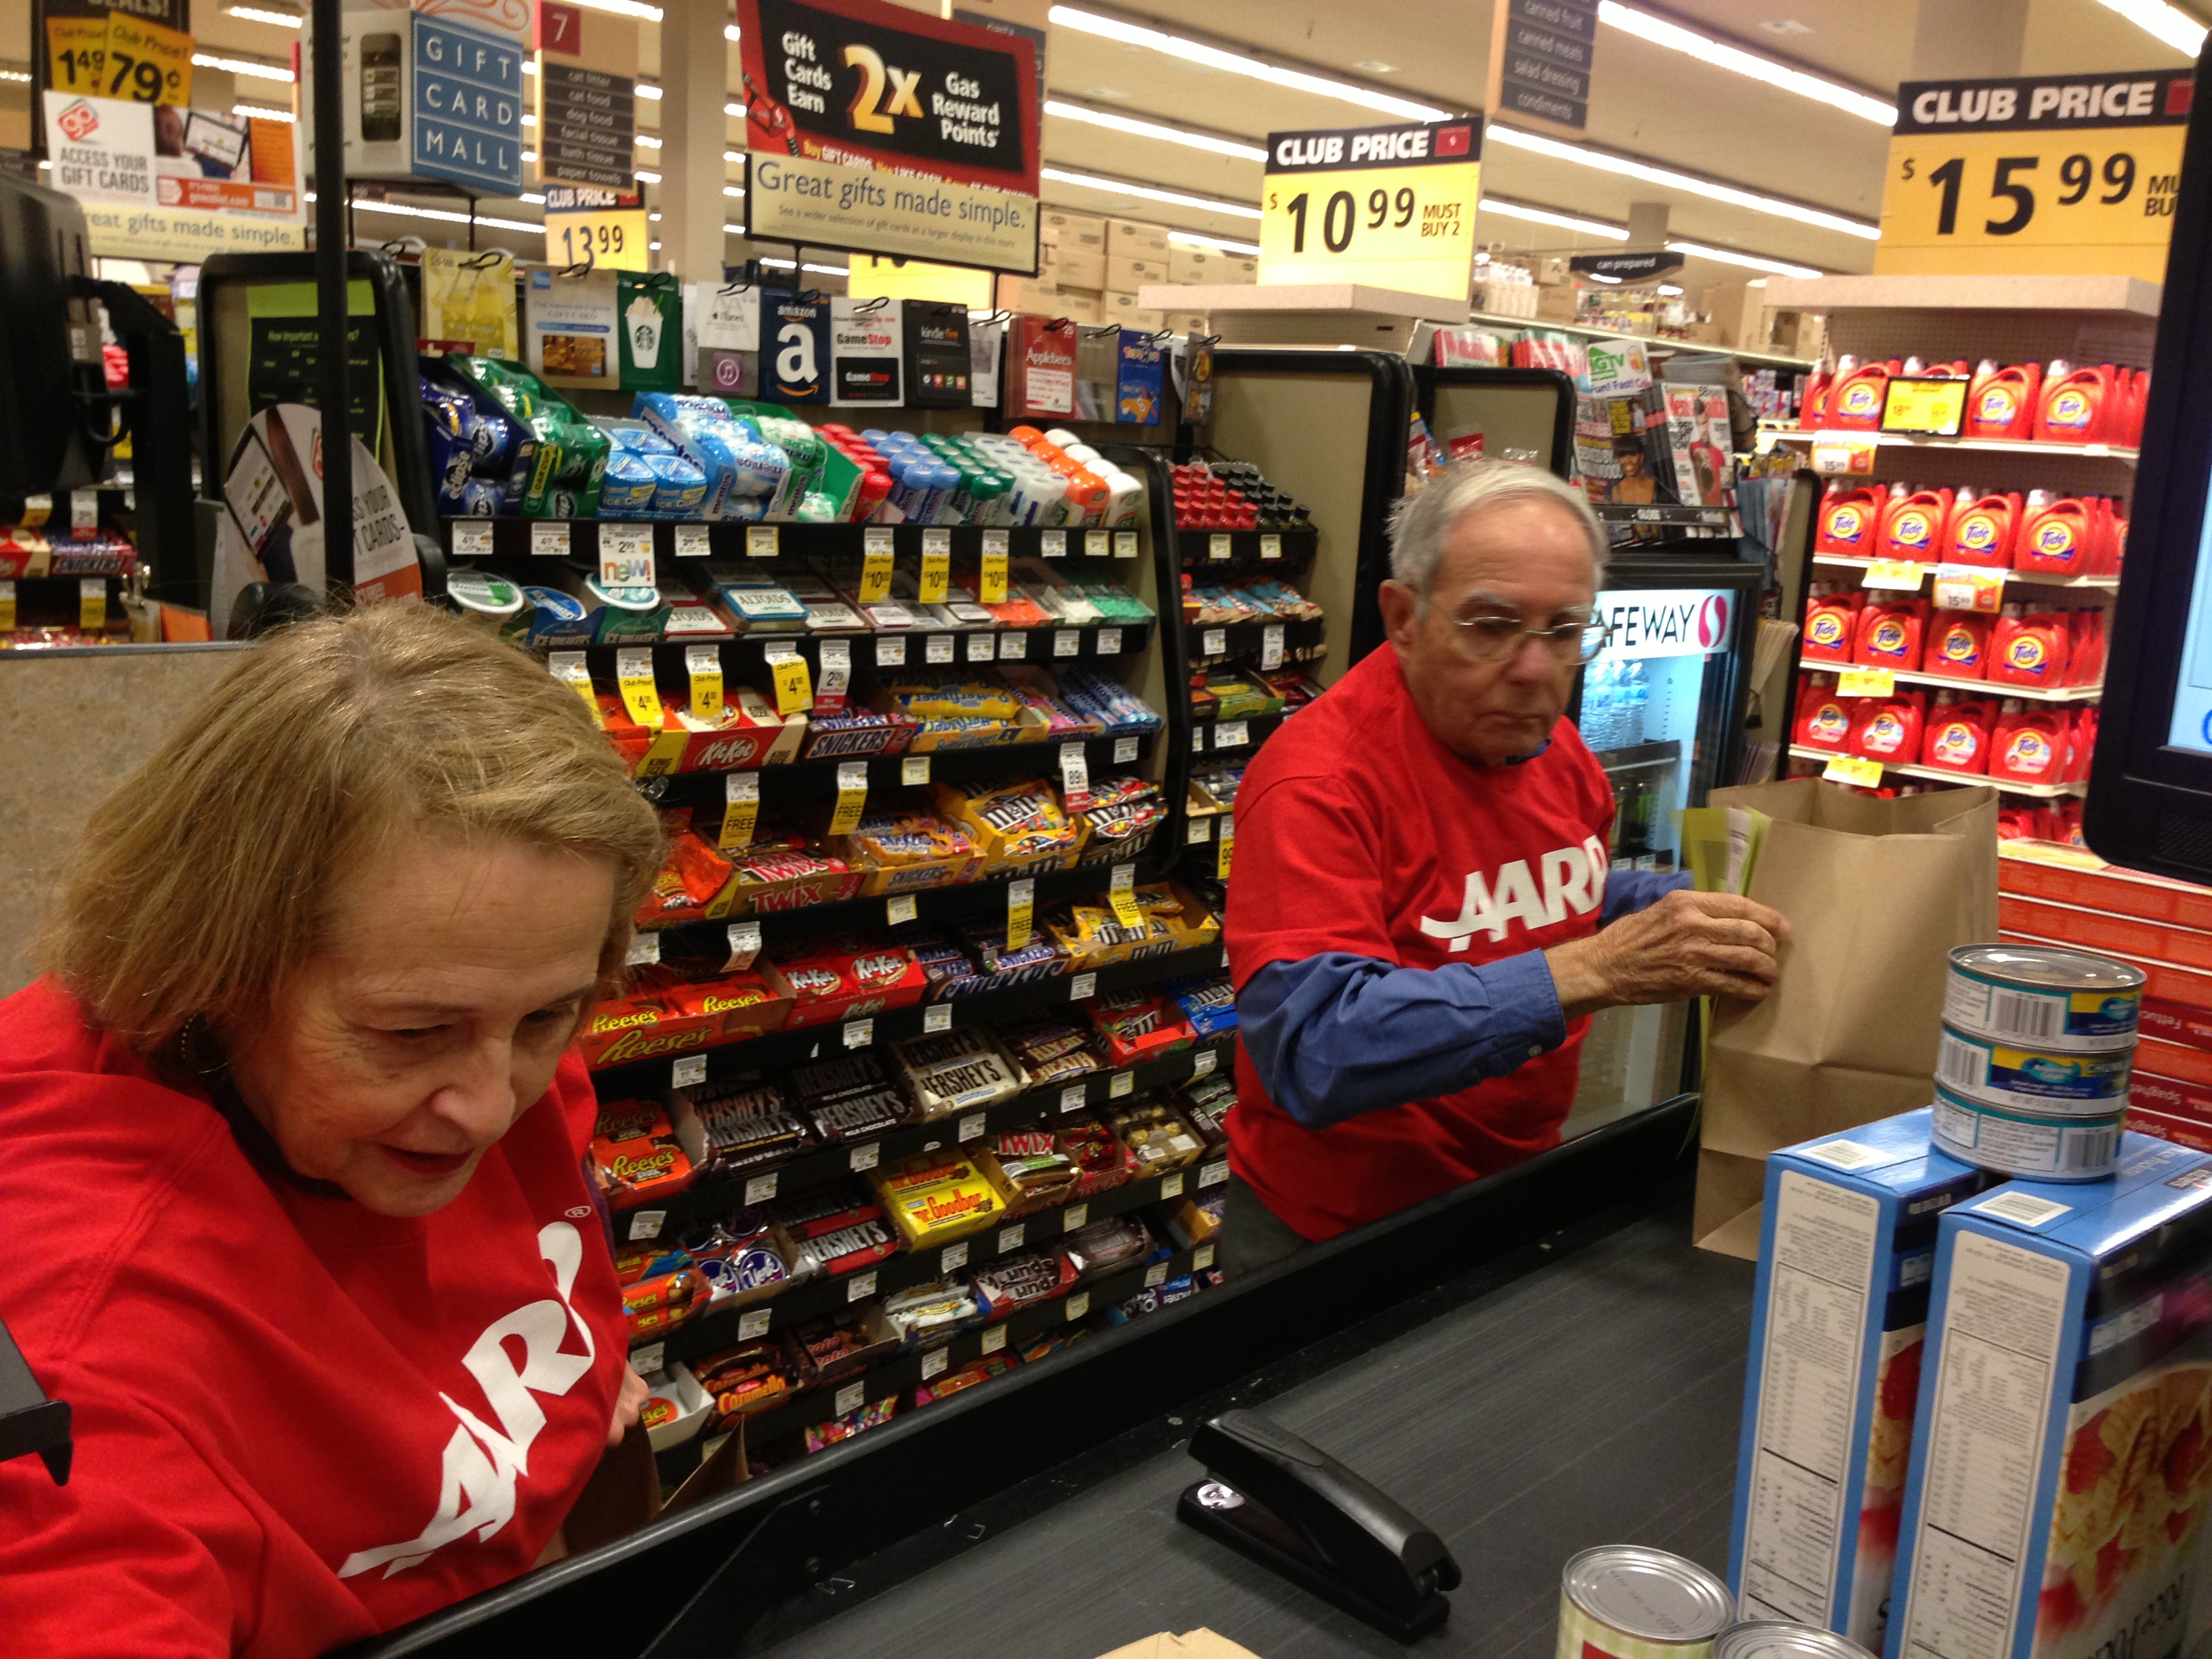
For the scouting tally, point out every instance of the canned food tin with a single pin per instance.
(2033, 1079)
(2038, 1146)
(1778, 1638)
(2065, 1001)
(1630, 1602)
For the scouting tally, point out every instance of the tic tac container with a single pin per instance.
(1847, 1246)
(2030, 1145)
(2062, 1453)
(1776, 1639)
(2066, 1000)
(1625, 1601)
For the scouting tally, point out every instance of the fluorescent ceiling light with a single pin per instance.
(533, 198)
(653, 218)
(23, 76)
(2169, 23)
(732, 189)
(529, 156)
(825, 271)
(648, 90)
(1209, 57)
(246, 66)
(1748, 261)
(734, 157)
(283, 20)
(1129, 123)
(732, 230)
(1670, 290)
(1191, 239)
(1661, 33)
(528, 119)
(1149, 193)
(729, 32)
(622, 9)
(530, 66)
(645, 177)
(444, 214)
(260, 112)
(1599, 276)
(646, 141)
(1705, 187)
(734, 110)
(1546, 216)
(653, 247)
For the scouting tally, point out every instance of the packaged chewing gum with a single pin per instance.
(1847, 1247)
(2062, 1450)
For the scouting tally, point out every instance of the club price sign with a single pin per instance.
(2034, 176)
(1389, 206)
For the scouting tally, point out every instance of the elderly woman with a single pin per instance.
(296, 1212)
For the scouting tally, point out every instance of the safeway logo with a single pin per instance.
(1572, 878)
(1665, 622)
(1713, 621)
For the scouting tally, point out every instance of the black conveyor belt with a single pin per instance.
(1593, 1401)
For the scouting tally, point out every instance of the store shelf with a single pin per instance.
(1992, 689)
(791, 1048)
(705, 1201)
(2039, 791)
(2013, 578)
(525, 538)
(1664, 515)
(1639, 755)
(2122, 296)
(1234, 739)
(1227, 549)
(2117, 454)
(1660, 344)
(817, 778)
(1043, 647)
(1225, 639)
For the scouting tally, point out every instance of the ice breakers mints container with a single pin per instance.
(2062, 1453)
(1846, 1248)
(1773, 1638)
(1628, 1602)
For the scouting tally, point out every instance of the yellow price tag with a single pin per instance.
(147, 63)
(1120, 893)
(1393, 206)
(77, 52)
(92, 604)
(2065, 173)
(609, 239)
(740, 811)
(875, 576)
(1968, 587)
(1224, 844)
(1853, 770)
(704, 664)
(1934, 406)
(990, 584)
(568, 667)
(634, 675)
(1866, 682)
(936, 565)
(852, 797)
(1903, 574)
(663, 754)
(1021, 911)
(7, 607)
(794, 686)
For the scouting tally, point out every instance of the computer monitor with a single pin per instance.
(53, 421)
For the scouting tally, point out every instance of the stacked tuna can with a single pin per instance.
(2032, 1077)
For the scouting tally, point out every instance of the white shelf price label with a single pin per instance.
(646, 1223)
(938, 1017)
(852, 797)
(914, 769)
(1124, 1084)
(1125, 543)
(1198, 831)
(1082, 986)
(994, 1339)
(1013, 647)
(761, 541)
(1218, 547)
(1203, 1061)
(1074, 776)
(1213, 642)
(1171, 1184)
(1075, 1217)
(853, 1395)
(938, 647)
(1096, 544)
(982, 648)
(890, 650)
(1052, 544)
(761, 1189)
(1021, 911)
(1109, 642)
(836, 675)
(1271, 547)
(1078, 1305)
(1009, 1238)
(688, 1072)
(952, 1258)
(864, 1158)
(692, 541)
(1156, 1274)
(1072, 1097)
(634, 675)
(860, 1033)
(1213, 1173)
(1125, 751)
(936, 565)
(549, 539)
(702, 665)
(740, 811)
(899, 907)
(971, 1127)
(1067, 642)
(644, 949)
(745, 946)
(936, 1360)
(1198, 740)
(1270, 647)
(1202, 1257)
(1969, 587)
(1232, 734)
(472, 541)
(752, 1323)
(648, 1359)
(625, 555)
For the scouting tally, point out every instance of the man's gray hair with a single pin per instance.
(1421, 525)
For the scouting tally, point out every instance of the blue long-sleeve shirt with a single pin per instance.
(1335, 1035)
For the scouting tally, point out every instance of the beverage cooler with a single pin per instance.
(1662, 710)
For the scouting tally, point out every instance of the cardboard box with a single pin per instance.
(1237, 268)
(1739, 310)
(1076, 232)
(1798, 334)
(1123, 308)
(1035, 294)
(2100, 931)
(1186, 322)
(1130, 239)
(1071, 267)
(1556, 305)
(1846, 1247)
(1128, 275)
(2117, 891)
(1078, 305)
(1194, 265)
(2056, 1503)
(1552, 270)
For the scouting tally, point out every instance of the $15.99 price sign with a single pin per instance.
(2032, 176)
(1393, 207)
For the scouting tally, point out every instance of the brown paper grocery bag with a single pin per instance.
(1878, 893)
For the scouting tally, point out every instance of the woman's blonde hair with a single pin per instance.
(203, 883)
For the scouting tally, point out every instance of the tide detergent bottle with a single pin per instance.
(1957, 737)
(1855, 401)
(1890, 635)
(1887, 729)
(2029, 745)
(1823, 720)
(2058, 537)
(2001, 402)
(1850, 520)
(2076, 404)
(1813, 398)
(1982, 530)
(1958, 646)
(2028, 648)
(1914, 525)
(1832, 621)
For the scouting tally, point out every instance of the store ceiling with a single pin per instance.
(1648, 102)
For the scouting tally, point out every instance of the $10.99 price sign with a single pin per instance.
(2037, 175)
(1392, 207)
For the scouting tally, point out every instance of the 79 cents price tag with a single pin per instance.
(1021, 910)
(625, 555)
(936, 565)
(852, 797)
(549, 539)
(472, 541)
(1120, 893)
(761, 541)
(703, 663)
(740, 811)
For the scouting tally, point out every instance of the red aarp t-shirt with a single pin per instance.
(1358, 831)
(297, 1424)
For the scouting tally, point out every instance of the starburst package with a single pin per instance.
(1845, 1254)
(2062, 1452)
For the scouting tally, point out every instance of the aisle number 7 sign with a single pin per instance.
(2039, 175)
(1393, 207)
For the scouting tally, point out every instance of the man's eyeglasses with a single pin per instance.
(1489, 637)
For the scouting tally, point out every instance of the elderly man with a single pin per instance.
(1423, 919)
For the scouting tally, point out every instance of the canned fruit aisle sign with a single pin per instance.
(2037, 175)
(871, 126)
(1391, 207)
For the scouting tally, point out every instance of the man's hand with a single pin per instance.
(628, 1404)
(1687, 944)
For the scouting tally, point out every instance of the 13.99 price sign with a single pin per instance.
(1391, 206)
(2034, 175)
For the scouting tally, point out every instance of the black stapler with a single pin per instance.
(1291, 1507)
